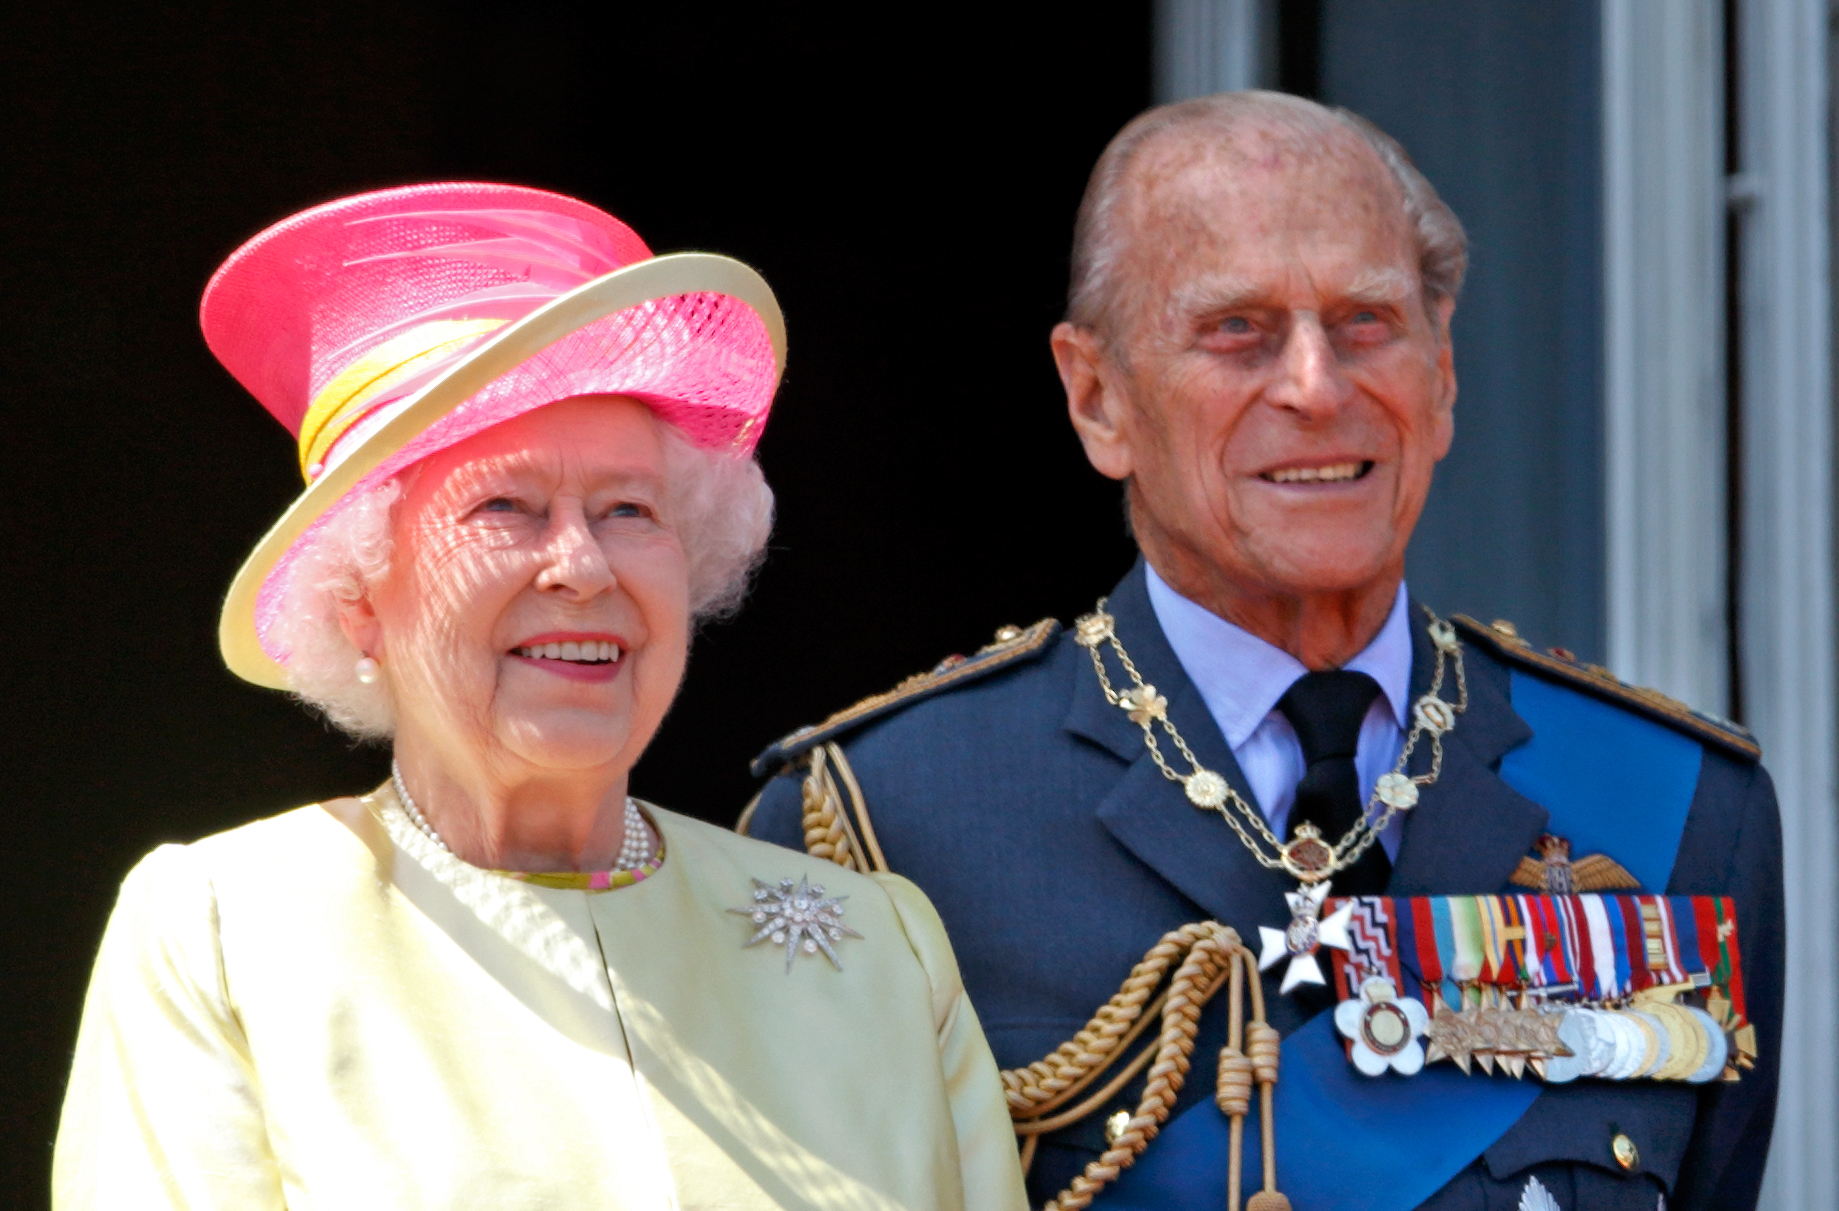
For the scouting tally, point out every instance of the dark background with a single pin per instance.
(904, 176)
(907, 188)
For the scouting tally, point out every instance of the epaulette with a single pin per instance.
(1504, 640)
(1012, 645)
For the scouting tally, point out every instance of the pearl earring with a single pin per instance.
(367, 670)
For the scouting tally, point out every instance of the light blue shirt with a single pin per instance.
(1241, 677)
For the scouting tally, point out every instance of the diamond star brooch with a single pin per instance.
(799, 918)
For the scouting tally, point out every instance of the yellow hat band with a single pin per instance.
(342, 402)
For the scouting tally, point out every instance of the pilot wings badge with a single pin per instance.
(1556, 873)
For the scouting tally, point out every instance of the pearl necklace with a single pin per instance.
(636, 850)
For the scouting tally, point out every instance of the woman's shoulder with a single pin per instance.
(287, 837)
(896, 900)
(263, 853)
(701, 844)
(169, 913)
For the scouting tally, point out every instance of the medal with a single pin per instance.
(1306, 933)
(1631, 1047)
(1657, 1047)
(1577, 1035)
(1739, 1035)
(1309, 857)
(1560, 986)
(1683, 1045)
(1716, 1050)
(1383, 1029)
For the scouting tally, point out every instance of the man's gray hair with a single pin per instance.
(1100, 234)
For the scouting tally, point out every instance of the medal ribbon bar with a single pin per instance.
(1497, 977)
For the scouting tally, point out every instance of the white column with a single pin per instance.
(1213, 46)
(1787, 553)
(1664, 391)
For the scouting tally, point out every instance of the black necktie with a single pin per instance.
(1326, 710)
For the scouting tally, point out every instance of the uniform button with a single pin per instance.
(1115, 1125)
(1624, 1150)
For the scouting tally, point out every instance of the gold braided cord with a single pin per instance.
(826, 834)
(1057, 1091)
(1079, 1064)
(745, 821)
(1233, 1089)
(1207, 958)
(1204, 955)
(1036, 1127)
(1201, 954)
(877, 860)
(1230, 1057)
(829, 831)
(1049, 1083)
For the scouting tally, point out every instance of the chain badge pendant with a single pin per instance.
(1308, 857)
(1307, 933)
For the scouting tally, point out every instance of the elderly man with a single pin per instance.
(1259, 717)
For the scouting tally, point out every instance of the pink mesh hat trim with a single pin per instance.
(302, 301)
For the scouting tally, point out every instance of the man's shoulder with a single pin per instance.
(1503, 641)
(933, 699)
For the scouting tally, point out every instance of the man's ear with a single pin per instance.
(1446, 377)
(1096, 399)
(358, 619)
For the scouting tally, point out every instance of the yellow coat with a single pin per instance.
(323, 1010)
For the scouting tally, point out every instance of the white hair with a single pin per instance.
(723, 510)
(1100, 235)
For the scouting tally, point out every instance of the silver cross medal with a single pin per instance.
(1308, 933)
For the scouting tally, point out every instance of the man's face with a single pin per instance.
(1282, 393)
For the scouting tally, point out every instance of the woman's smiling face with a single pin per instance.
(536, 611)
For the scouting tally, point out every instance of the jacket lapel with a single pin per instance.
(1193, 850)
(1469, 829)
(1465, 836)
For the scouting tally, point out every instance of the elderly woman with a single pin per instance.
(499, 981)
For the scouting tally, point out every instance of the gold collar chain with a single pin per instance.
(1307, 857)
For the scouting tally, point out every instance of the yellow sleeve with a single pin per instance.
(987, 1154)
(162, 1110)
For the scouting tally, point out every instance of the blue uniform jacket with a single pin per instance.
(1027, 808)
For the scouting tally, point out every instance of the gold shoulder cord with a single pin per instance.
(831, 823)
(1170, 986)
(1206, 956)
(1183, 971)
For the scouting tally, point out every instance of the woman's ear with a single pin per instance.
(358, 619)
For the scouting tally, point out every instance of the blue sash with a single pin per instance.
(1613, 783)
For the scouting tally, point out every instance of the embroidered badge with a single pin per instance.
(799, 918)
(1555, 873)
(1536, 1197)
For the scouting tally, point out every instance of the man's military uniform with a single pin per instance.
(1025, 804)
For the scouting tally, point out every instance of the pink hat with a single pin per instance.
(384, 327)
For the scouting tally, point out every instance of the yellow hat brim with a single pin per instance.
(642, 282)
